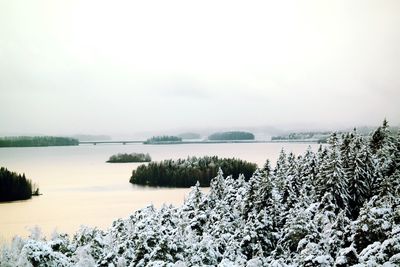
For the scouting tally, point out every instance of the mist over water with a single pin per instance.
(157, 66)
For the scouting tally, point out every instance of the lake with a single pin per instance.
(80, 188)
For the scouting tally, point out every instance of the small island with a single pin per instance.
(186, 172)
(164, 139)
(15, 186)
(133, 157)
(231, 136)
(37, 141)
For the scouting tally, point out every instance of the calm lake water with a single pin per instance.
(80, 188)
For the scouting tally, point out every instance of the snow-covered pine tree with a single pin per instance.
(376, 232)
(280, 171)
(320, 157)
(291, 190)
(251, 196)
(348, 148)
(331, 178)
(307, 171)
(307, 167)
(383, 146)
(217, 188)
(361, 182)
(264, 194)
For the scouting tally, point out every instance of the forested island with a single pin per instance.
(164, 139)
(186, 172)
(37, 141)
(338, 206)
(15, 186)
(233, 135)
(133, 157)
(320, 137)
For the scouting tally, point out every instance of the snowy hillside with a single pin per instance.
(339, 206)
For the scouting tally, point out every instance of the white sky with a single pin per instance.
(128, 66)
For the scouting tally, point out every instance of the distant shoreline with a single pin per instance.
(200, 142)
(181, 142)
(37, 141)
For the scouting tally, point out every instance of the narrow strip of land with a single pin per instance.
(124, 142)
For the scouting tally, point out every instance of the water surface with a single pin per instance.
(80, 188)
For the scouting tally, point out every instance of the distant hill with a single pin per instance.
(190, 136)
(88, 137)
(232, 135)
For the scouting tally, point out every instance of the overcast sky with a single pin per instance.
(130, 66)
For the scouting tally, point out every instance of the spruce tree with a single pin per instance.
(264, 194)
(361, 182)
(251, 195)
(331, 178)
(280, 171)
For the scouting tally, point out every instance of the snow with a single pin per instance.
(341, 260)
(254, 263)
(289, 216)
(324, 260)
(386, 225)
(395, 259)
(381, 211)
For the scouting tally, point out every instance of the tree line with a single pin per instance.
(185, 172)
(320, 137)
(37, 141)
(162, 139)
(15, 186)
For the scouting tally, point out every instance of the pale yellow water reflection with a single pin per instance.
(79, 188)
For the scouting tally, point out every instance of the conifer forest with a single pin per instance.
(337, 206)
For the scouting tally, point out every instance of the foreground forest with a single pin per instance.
(339, 206)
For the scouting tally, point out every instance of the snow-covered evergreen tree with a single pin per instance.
(280, 171)
(331, 178)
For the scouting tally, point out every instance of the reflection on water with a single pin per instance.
(80, 188)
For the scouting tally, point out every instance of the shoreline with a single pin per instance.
(203, 142)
